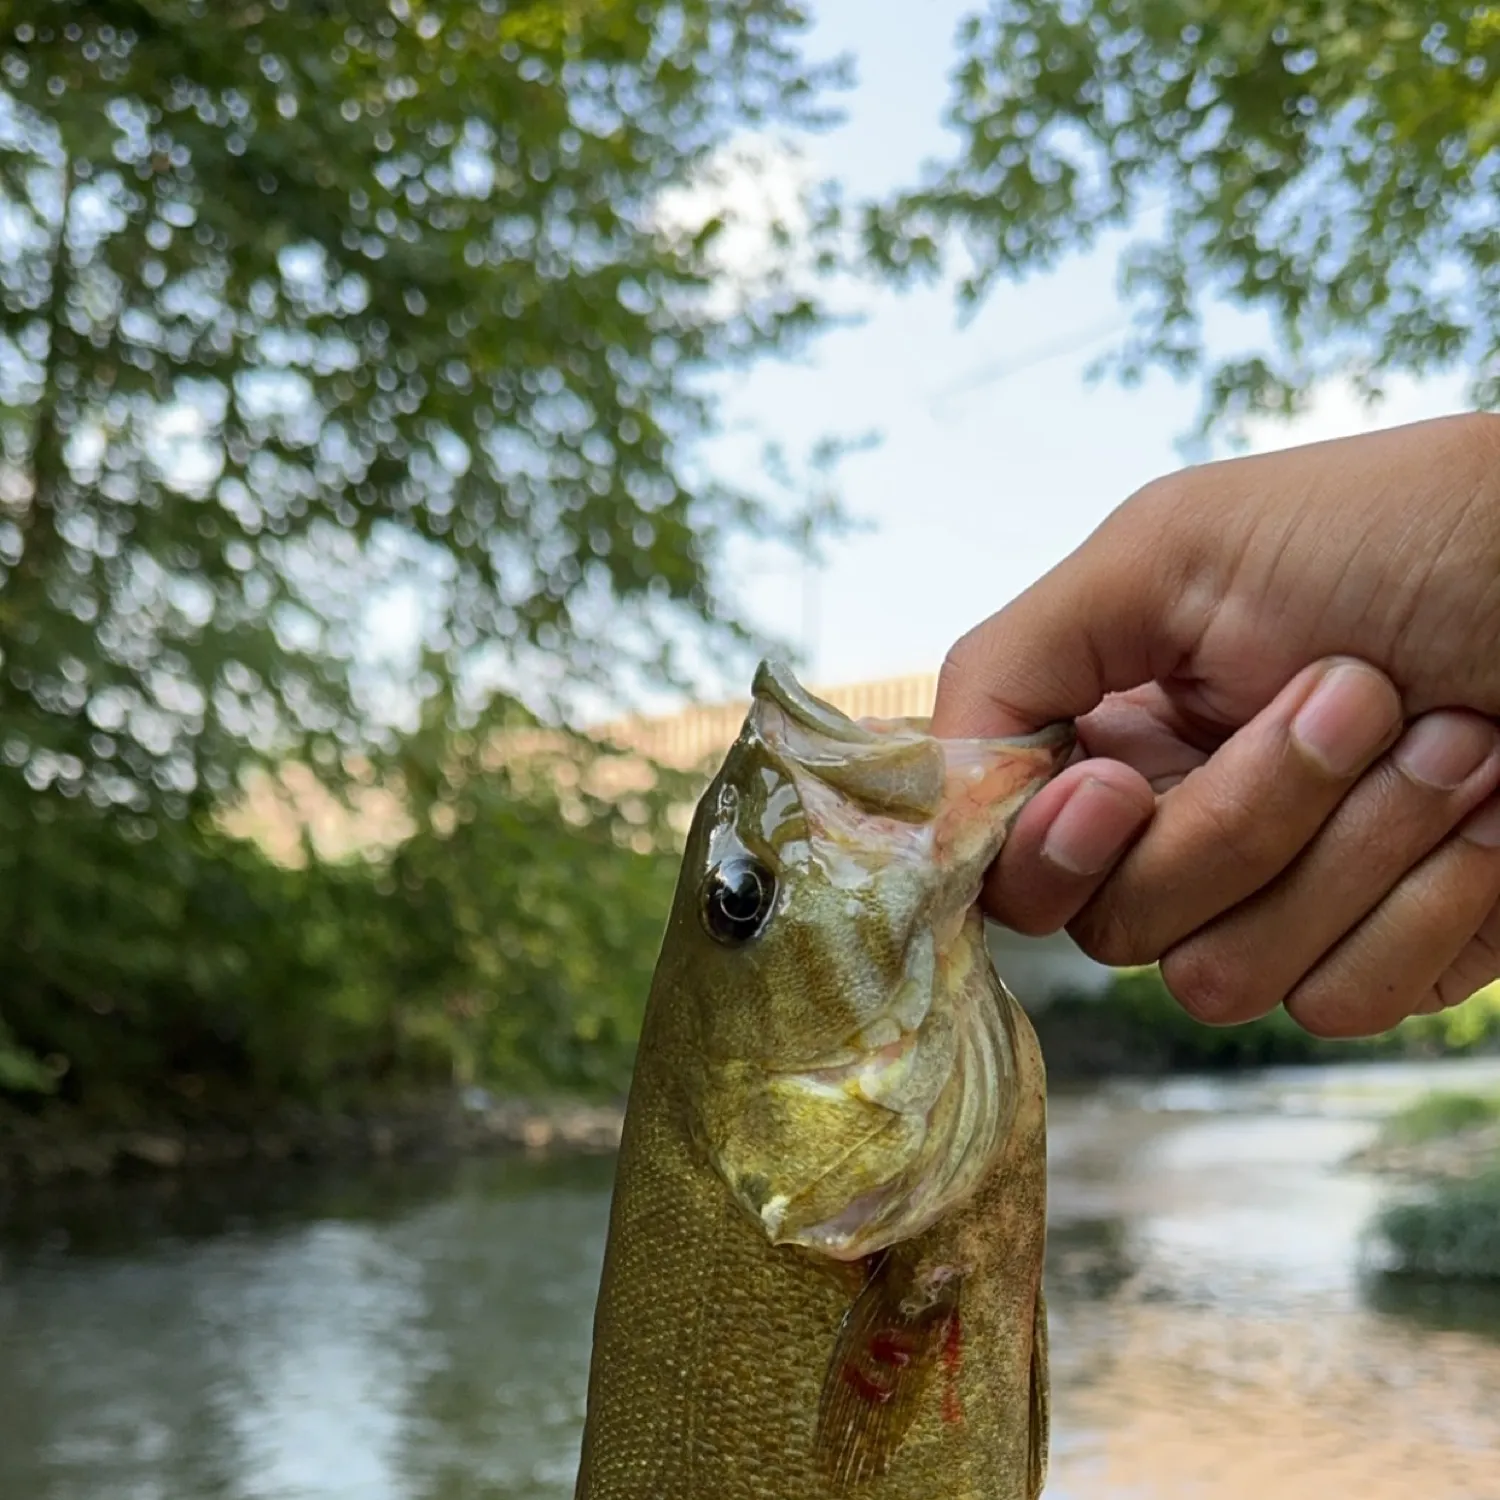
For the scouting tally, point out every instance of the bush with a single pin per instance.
(173, 968)
(1137, 1026)
(1452, 1232)
(1471, 1027)
(1144, 1002)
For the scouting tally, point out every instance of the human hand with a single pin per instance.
(1285, 670)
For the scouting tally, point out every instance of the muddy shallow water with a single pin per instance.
(421, 1332)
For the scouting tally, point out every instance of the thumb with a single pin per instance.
(1126, 608)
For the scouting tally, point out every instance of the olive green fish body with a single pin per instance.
(823, 1270)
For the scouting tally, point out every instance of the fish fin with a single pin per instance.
(891, 1341)
(1041, 1402)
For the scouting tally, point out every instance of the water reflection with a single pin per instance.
(413, 1333)
(1442, 1307)
(1089, 1259)
(421, 1332)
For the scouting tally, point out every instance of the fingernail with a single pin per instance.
(1093, 828)
(1483, 828)
(1444, 749)
(1347, 719)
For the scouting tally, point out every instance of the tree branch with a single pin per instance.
(48, 466)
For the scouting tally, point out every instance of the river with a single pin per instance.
(421, 1332)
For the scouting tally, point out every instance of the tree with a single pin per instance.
(1334, 167)
(307, 306)
(305, 301)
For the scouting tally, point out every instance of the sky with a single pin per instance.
(972, 493)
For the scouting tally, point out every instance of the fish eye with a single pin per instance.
(737, 899)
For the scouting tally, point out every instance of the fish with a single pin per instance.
(823, 1268)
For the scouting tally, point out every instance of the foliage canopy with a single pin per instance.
(1331, 166)
(313, 312)
(304, 301)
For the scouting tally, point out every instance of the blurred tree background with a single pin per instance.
(354, 355)
(312, 310)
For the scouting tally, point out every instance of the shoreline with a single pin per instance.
(37, 1152)
(58, 1146)
(1458, 1157)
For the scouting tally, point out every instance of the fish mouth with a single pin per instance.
(939, 1099)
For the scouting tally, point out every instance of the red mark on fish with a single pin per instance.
(953, 1358)
(890, 1348)
(870, 1390)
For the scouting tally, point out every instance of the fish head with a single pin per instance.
(850, 1073)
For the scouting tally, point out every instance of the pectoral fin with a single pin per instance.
(890, 1344)
(1041, 1402)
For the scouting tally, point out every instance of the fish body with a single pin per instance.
(823, 1271)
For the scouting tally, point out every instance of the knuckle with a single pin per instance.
(1487, 945)
(1481, 429)
(1456, 988)
(1481, 955)
(1484, 950)
(1112, 932)
(965, 656)
(1475, 968)
(1165, 492)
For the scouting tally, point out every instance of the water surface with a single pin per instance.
(420, 1332)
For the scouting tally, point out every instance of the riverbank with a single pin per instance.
(1443, 1222)
(1445, 1136)
(1459, 1157)
(54, 1146)
(1139, 1032)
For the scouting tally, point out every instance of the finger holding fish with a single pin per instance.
(1191, 835)
(1065, 843)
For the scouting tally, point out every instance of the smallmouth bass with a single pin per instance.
(824, 1264)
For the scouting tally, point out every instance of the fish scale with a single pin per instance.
(746, 1345)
